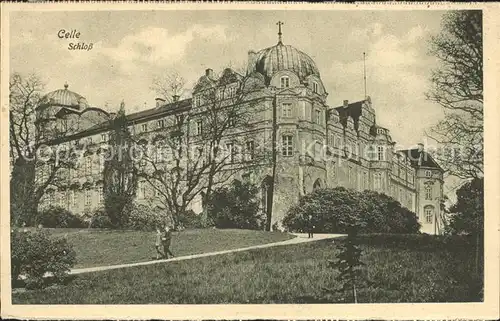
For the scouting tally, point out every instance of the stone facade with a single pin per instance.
(313, 145)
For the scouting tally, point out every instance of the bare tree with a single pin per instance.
(201, 148)
(457, 85)
(30, 149)
(168, 85)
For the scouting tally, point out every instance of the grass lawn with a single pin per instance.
(413, 269)
(109, 247)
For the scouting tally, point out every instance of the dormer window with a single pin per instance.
(315, 87)
(161, 123)
(144, 128)
(285, 82)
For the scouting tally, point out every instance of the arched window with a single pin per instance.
(428, 174)
(429, 213)
(285, 82)
(315, 87)
(317, 184)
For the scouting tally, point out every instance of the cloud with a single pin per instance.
(397, 78)
(155, 46)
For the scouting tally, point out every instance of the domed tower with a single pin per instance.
(295, 110)
(53, 110)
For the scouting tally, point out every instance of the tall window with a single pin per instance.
(380, 153)
(318, 116)
(318, 151)
(88, 166)
(287, 145)
(250, 150)
(230, 152)
(197, 101)
(178, 119)
(286, 109)
(144, 128)
(428, 192)
(285, 82)
(231, 92)
(142, 189)
(88, 198)
(428, 210)
(315, 87)
(161, 123)
(377, 181)
(100, 196)
(199, 127)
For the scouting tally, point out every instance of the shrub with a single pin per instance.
(98, 219)
(144, 218)
(236, 206)
(34, 253)
(377, 212)
(56, 216)
(190, 220)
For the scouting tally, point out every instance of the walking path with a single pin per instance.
(300, 238)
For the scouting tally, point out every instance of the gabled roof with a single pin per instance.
(420, 158)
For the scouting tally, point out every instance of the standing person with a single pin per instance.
(166, 240)
(159, 253)
(310, 226)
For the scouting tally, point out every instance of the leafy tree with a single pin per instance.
(457, 86)
(120, 174)
(236, 206)
(331, 208)
(467, 214)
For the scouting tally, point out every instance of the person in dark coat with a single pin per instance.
(166, 240)
(310, 226)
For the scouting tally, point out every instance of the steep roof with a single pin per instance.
(420, 158)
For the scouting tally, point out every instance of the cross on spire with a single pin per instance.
(279, 23)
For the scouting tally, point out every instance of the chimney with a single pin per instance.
(346, 103)
(209, 73)
(251, 61)
(159, 102)
(175, 98)
(420, 147)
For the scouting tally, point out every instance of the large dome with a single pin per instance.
(284, 57)
(64, 98)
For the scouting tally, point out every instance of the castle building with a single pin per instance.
(313, 145)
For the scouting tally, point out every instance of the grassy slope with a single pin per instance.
(102, 247)
(292, 274)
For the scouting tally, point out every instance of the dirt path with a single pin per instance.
(300, 238)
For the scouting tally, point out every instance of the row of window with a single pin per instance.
(285, 83)
(70, 199)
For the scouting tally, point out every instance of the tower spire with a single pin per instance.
(279, 23)
(364, 71)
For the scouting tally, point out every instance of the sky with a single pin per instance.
(131, 48)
